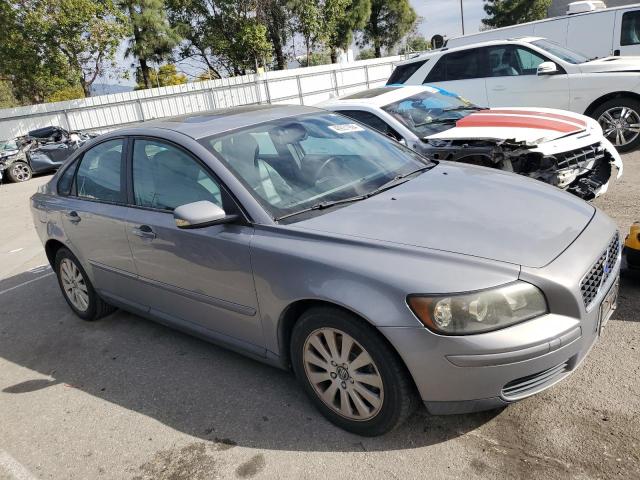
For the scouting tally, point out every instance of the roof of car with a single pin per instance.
(486, 43)
(384, 96)
(204, 124)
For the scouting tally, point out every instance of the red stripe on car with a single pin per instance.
(517, 121)
(556, 116)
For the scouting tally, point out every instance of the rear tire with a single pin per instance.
(77, 289)
(19, 172)
(620, 122)
(350, 373)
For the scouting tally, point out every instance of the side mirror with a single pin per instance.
(547, 68)
(201, 214)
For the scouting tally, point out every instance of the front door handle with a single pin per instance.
(73, 216)
(144, 231)
(499, 88)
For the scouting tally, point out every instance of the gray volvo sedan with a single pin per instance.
(305, 240)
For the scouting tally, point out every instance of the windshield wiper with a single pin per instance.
(461, 108)
(395, 181)
(436, 122)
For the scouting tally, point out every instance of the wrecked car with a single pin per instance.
(561, 148)
(40, 151)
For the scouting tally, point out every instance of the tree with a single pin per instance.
(153, 39)
(225, 35)
(86, 32)
(502, 13)
(31, 61)
(308, 22)
(276, 16)
(7, 100)
(164, 76)
(341, 19)
(390, 20)
(416, 43)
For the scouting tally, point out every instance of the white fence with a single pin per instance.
(306, 86)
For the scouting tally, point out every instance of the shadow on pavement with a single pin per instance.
(185, 383)
(629, 289)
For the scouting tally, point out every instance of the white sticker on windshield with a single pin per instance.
(346, 128)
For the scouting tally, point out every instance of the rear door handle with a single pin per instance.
(73, 216)
(144, 231)
(499, 88)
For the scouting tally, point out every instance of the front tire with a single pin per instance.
(620, 122)
(350, 373)
(19, 172)
(77, 289)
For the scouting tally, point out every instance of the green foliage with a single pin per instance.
(153, 37)
(366, 54)
(415, 43)
(502, 13)
(7, 100)
(390, 20)
(30, 59)
(164, 76)
(341, 18)
(70, 92)
(316, 58)
(225, 35)
(308, 21)
(276, 16)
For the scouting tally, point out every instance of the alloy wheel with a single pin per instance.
(21, 172)
(620, 125)
(343, 374)
(74, 285)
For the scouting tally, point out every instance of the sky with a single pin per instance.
(443, 16)
(437, 17)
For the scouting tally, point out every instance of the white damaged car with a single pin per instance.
(558, 147)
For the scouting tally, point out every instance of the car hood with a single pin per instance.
(532, 126)
(611, 64)
(467, 210)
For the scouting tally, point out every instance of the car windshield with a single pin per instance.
(430, 112)
(312, 161)
(9, 145)
(561, 52)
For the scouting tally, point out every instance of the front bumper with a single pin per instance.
(478, 372)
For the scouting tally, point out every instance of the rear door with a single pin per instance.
(626, 35)
(94, 216)
(463, 73)
(513, 79)
(201, 278)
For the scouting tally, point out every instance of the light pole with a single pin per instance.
(462, 17)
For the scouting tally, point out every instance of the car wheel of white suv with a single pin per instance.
(620, 122)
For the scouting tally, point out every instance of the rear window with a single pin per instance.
(402, 73)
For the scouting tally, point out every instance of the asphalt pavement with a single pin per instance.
(125, 398)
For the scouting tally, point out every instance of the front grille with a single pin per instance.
(599, 273)
(580, 156)
(533, 383)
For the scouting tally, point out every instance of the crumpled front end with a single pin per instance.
(584, 171)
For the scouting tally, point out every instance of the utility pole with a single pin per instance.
(462, 16)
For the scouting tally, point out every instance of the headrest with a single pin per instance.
(290, 133)
(240, 148)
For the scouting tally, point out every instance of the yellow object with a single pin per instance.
(633, 239)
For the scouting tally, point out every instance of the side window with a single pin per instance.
(373, 121)
(402, 73)
(100, 172)
(509, 61)
(463, 65)
(66, 179)
(166, 177)
(529, 60)
(630, 31)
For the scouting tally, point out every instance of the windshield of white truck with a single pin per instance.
(561, 52)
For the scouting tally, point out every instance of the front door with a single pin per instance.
(199, 278)
(94, 217)
(513, 80)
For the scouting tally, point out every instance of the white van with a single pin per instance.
(597, 33)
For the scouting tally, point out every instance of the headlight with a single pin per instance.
(481, 311)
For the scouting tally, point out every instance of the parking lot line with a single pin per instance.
(13, 468)
(25, 283)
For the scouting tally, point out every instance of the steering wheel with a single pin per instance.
(325, 165)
